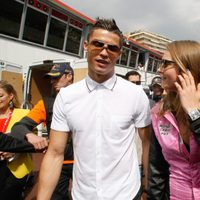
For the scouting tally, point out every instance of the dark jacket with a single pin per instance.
(26, 125)
(11, 144)
(158, 173)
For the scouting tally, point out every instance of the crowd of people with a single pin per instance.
(92, 126)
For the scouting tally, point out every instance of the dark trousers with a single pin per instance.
(61, 191)
(11, 188)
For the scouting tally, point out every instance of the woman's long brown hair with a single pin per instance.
(186, 55)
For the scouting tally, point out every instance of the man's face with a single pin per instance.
(103, 50)
(134, 79)
(60, 82)
(157, 90)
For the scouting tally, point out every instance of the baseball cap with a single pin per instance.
(60, 69)
(156, 81)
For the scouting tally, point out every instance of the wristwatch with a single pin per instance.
(194, 114)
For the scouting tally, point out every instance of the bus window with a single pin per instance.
(34, 31)
(133, 59)
(73, 40)
(124, 57)
(56, 34)
(10, 17)
(150, 63)
(141, 58)
(155, 66)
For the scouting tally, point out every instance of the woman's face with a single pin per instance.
(169, 72)
(5, 99)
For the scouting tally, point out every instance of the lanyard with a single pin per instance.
(6, 122)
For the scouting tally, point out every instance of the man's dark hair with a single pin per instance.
(132, 73)
(109, 25)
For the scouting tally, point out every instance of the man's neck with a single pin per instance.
(100, 78)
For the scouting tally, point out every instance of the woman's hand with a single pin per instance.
(188, 92)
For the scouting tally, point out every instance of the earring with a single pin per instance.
(11, 105)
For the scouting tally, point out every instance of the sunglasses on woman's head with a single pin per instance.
(98, 45)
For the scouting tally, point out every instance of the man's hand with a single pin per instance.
(37, 141)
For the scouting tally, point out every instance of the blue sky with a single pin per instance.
(174, 19)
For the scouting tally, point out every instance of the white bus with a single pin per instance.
(37, 30)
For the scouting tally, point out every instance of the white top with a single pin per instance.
(102, 118)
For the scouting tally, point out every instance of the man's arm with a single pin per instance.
(52, 164)
(145, 135)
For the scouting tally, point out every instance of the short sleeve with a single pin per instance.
(59, 120)
(142, 117)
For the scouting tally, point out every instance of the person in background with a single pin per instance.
(156, 89)
(134, 77)
(174, 159)
(105, 158)
(14, 168)
(62, 75)
(140, 66)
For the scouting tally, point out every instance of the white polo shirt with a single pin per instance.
(103, 118)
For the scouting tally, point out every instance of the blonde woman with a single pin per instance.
(14, 168)
(174, 169)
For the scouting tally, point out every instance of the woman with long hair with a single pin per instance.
(174, 160)
(14, 168)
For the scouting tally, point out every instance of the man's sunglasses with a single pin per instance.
(136, 82)
(98, 45)
(165, 63)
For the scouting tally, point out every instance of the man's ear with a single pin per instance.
(69, 77)
(85, 45)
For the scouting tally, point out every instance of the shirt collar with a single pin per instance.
(109, 84)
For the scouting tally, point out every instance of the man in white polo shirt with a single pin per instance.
(102, 112)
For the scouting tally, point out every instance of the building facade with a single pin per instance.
(154, 41)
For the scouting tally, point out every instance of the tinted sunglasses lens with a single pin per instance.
(165, 63)
(113, 48)
(97, 44)
(136, 82)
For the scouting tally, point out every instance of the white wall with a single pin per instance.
(25, 54)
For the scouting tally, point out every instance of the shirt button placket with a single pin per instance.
(98, 141)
